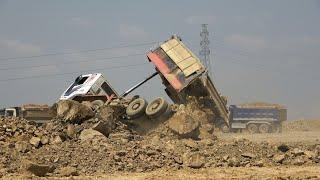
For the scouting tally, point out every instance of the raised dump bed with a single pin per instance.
(183, 75)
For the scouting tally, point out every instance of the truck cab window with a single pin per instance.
(107, 89)
(81, 80)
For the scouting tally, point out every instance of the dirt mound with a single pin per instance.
(107, 144)
(190, 121)
(15, 128)
(301, 125)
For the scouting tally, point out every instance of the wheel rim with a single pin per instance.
(136, 106)
(155, 105)
(252, 128)
(263, 128)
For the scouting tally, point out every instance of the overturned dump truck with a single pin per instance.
(95, 90)
(183, 75)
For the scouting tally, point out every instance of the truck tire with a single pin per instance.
(136, 108)
(252, 128)
(96, 104)
(156, 107)
(264, 128)
(277, 128)
(224, 128)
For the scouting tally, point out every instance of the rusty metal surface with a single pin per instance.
(170, 75)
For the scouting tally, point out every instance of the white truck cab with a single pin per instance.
(89, 84)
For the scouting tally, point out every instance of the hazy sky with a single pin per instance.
(261, 50)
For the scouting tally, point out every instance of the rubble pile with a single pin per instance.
(189, 121)
(15, 128)
(103, 144)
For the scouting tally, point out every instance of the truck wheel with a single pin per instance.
(136, 108)
(156, 107)
(96, 104)
(264, 128)
(224, 128)
(252, 128)
(277, 128)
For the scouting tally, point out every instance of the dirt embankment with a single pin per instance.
(104, 144)
(301, 125)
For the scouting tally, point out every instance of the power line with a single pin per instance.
(76, 52)
(74, 72)
(72, 62)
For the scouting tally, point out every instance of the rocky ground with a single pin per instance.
(90, 145)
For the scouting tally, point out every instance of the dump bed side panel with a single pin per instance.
(268, 114)
(215, 96)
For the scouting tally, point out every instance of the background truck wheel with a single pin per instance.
(136, 108)
(252, 128)
(277, 129)
(96, 104)
(157, 107)
(264, 128)
(224, 128)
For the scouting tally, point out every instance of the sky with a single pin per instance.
(260, 50)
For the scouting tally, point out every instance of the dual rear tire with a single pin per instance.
(136, 108)
(261, 128)
(140, 106)
(157, 107)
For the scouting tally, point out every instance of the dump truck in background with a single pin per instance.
(31, 112)
(256, 118)
(183, 75)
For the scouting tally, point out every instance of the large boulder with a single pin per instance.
(73, 111)
(90, 134)
(37, 169)
(107, 121)
(195, 160)
(184, 125)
